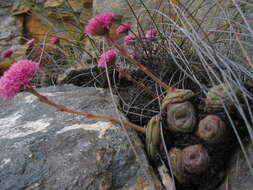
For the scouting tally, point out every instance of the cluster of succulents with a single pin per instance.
(179, 116)
(178, 112)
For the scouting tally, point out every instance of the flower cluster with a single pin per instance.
(124, 28)
(6, 53)
(54, 40)
(99, 25)
(130, 39)
(151, 34)
(30, 42)
(17, 78)
(106, 58)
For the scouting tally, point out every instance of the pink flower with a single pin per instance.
(150, 34)
(6, 53)
(54, 40)
(136, 53)
(129, 39)
(124, 28)
(30, 42)
(99, 25)
(17, 77)
(107, 58)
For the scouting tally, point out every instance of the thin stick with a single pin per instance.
(63, 108)
(125, 54)
(138, 83)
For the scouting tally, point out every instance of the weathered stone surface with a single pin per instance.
(11, 28)
(36, 28)
(122, 7)
(239, 176)
(43, 149)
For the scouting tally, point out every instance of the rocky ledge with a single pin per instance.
(42, 148)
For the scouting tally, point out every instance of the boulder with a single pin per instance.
(122, 8)
(42, 148)
(11, 28)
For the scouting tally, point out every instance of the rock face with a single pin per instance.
(239, 176)
(53, 17)
(123, 8)
(11, 28)
(43, 149)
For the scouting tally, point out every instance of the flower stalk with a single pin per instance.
(138, 83)
(63, 108)
(125, 54)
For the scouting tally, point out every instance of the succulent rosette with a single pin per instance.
(181, 117)
(179, 95)
(153, 136)
(192, 160)
(180, 113)
(222, 94)
(195, 159)
(212, 130)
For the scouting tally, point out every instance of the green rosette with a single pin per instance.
(212, 129)
(222, 94)
(181, 117)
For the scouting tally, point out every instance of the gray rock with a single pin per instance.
(239, 176)
(11, 28)
(122, 7)
(45, 149)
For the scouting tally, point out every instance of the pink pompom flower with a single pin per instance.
(17, 77)
(124, 28)
(106, 58)
(6, 53)
(135, 54)
(30, 42)
(129, 39)
(54, 40)
(150, 34)
(99, 25)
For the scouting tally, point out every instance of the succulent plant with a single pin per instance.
(179, 95)
(175, 156)
(181, 117)
(192, 160)
(212, 130)
(219, 95)
(195, 159)
(153, 136)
